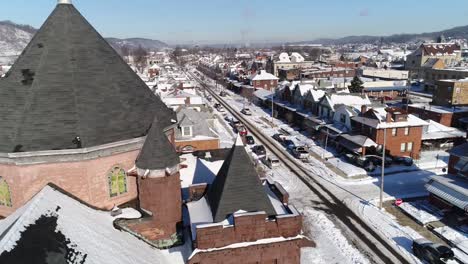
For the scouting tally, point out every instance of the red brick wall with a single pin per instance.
(87, 180)
(265, 84)
(209, 144)
(443, 118)
(246, 229)
(452, 161)
(393, 143)
(286, 252)
(162, 197)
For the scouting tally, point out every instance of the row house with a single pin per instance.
(329, 103)
(403, 131)
(450, 192)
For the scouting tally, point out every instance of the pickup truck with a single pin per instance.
(300, 153)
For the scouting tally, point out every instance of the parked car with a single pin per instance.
(222, 94)
(246, 111)
(229, 118)
(259, 150)
(279, 137)
(289, 144)
(216, 105)
(360, 161)
(272, 161)
(242, 130)
(377, 160)
(407, 161)
(300, 153)
(430, 252)
(249, 140)
(221, 109)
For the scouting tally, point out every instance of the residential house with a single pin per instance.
(328, 104)
(264, 80)
(299, 93)
(403, 131)
(197, 131)
(312, 98)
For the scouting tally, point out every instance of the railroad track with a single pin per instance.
(375, 245)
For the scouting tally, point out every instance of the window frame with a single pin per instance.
(5, 201)
(184, 129)
(408, 148)
(119, 185)
(403, 147)
(407, 130)
(394, 132)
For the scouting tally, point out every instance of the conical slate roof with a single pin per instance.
(157, 152)
(69, 82)
(237, 187)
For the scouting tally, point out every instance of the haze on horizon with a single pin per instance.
(228, 21)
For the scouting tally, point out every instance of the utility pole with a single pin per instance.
(383, 169)
(272, 107)
(326, 144)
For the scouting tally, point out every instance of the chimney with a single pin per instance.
(389, 117)
(363, 109)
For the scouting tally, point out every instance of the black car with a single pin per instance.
(407, 161)
(250, 140)
(216, 105)
(278, 137)
(377, 160)
(259, 150)
(432, 253)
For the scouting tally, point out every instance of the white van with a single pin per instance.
(272, 161)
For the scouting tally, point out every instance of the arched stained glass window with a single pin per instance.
(117, 181)
(5, 195)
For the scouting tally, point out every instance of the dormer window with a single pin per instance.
(187, 131)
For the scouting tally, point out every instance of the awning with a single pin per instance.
(449, 191)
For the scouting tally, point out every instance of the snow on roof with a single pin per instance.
(198, 170)
(200, 214)
(89, 231)
(277, 204)
(296, 57)
(348, 99)
(284, 57)
(317, 94)
(304, 88)
(381, 114)
(264, 76)
(438, 131)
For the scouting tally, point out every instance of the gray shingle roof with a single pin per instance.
(237, 187)
(157, 152)
(69, 82)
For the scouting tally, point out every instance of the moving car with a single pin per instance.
(259, 150)
(430, 252)
(246, 111)
(249, 140)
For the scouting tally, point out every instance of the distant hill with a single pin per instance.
(14, 38)
(456, 32)
(133, 43)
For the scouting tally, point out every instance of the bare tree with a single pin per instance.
(139, 57)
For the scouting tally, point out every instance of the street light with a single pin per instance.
(272, 107)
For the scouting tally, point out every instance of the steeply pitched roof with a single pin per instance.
(157, 152)
(69, 82)
(237, 187)
(440, 48)
(55, 228)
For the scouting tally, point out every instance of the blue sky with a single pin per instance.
(234, 21)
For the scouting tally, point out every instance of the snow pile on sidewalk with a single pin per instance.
(415, 210)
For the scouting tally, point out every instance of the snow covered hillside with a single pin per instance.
(13, 38)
